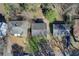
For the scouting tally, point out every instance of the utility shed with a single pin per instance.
(39, 29)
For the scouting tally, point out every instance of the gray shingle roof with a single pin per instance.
(39, 29)
(19, 27)
(37, 26)
(17, 30)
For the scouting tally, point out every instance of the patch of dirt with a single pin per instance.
(18, 40)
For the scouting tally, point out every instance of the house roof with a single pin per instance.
(3, 28)
(18, 27)
(38, 26)
(60, 29)
(16, 23)
(39, 29)
(17, 30)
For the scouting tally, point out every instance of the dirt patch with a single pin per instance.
(18, 40)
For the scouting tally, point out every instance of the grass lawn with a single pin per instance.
(34, 43)
(7, 8)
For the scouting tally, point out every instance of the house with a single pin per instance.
(18, 32)
(19, 28)
(60, 28)
(3, 26)
(3, 32)
(39, 28)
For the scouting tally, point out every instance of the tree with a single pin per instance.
(28, 7)
(16, 49)
(48, 12)
(50, 15)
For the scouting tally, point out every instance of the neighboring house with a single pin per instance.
(3, 29)
(3, 32)
(19, 28)
(18, 31)
(39, 28)
(3, 26)
(60, 28)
